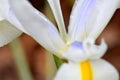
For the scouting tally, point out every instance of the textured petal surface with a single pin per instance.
(7, 32)
(37, 25)
(6, 12)
(80, 12)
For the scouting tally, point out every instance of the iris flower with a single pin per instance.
(87, 20)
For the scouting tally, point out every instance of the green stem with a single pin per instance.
(20, 61)
(58, 61)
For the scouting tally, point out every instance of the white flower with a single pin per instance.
(88, 19)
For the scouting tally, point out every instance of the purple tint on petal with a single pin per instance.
(52, 31)
(10, 11)
(77, 44)
(84, 12)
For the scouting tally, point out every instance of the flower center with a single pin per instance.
(82, 51)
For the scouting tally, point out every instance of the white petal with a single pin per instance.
(81, 51)
(101, 70)
(4, 8)
(68, 72)
(78, 17)
(75, 53)
(56, 8)
(7, 32)
(37, 25)
(100, 16)
(6, 12)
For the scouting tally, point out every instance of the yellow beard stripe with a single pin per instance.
(86, 71)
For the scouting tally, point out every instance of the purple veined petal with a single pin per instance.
(7, 32)
(101, 15)
(56, 9)
(6, 13)
(37, 25)
(78, 18)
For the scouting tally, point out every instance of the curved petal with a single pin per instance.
(101, 70)
(6, 12)
(37, 25)
(7, 32)
(81, 51)
(99, 18)
(79, 15)
(56, 8)
(94, 51)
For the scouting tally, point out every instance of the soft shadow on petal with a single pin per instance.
(1, 18)
(79, 15)
(56, 8)
(7, 13)
(103, 70)
(37, 25)
(100, 17)
(7, 32)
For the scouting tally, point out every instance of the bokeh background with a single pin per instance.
(36, 56)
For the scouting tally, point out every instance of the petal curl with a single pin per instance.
(7, 32)
(86, 50)
(94, 51)
(37, 25)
